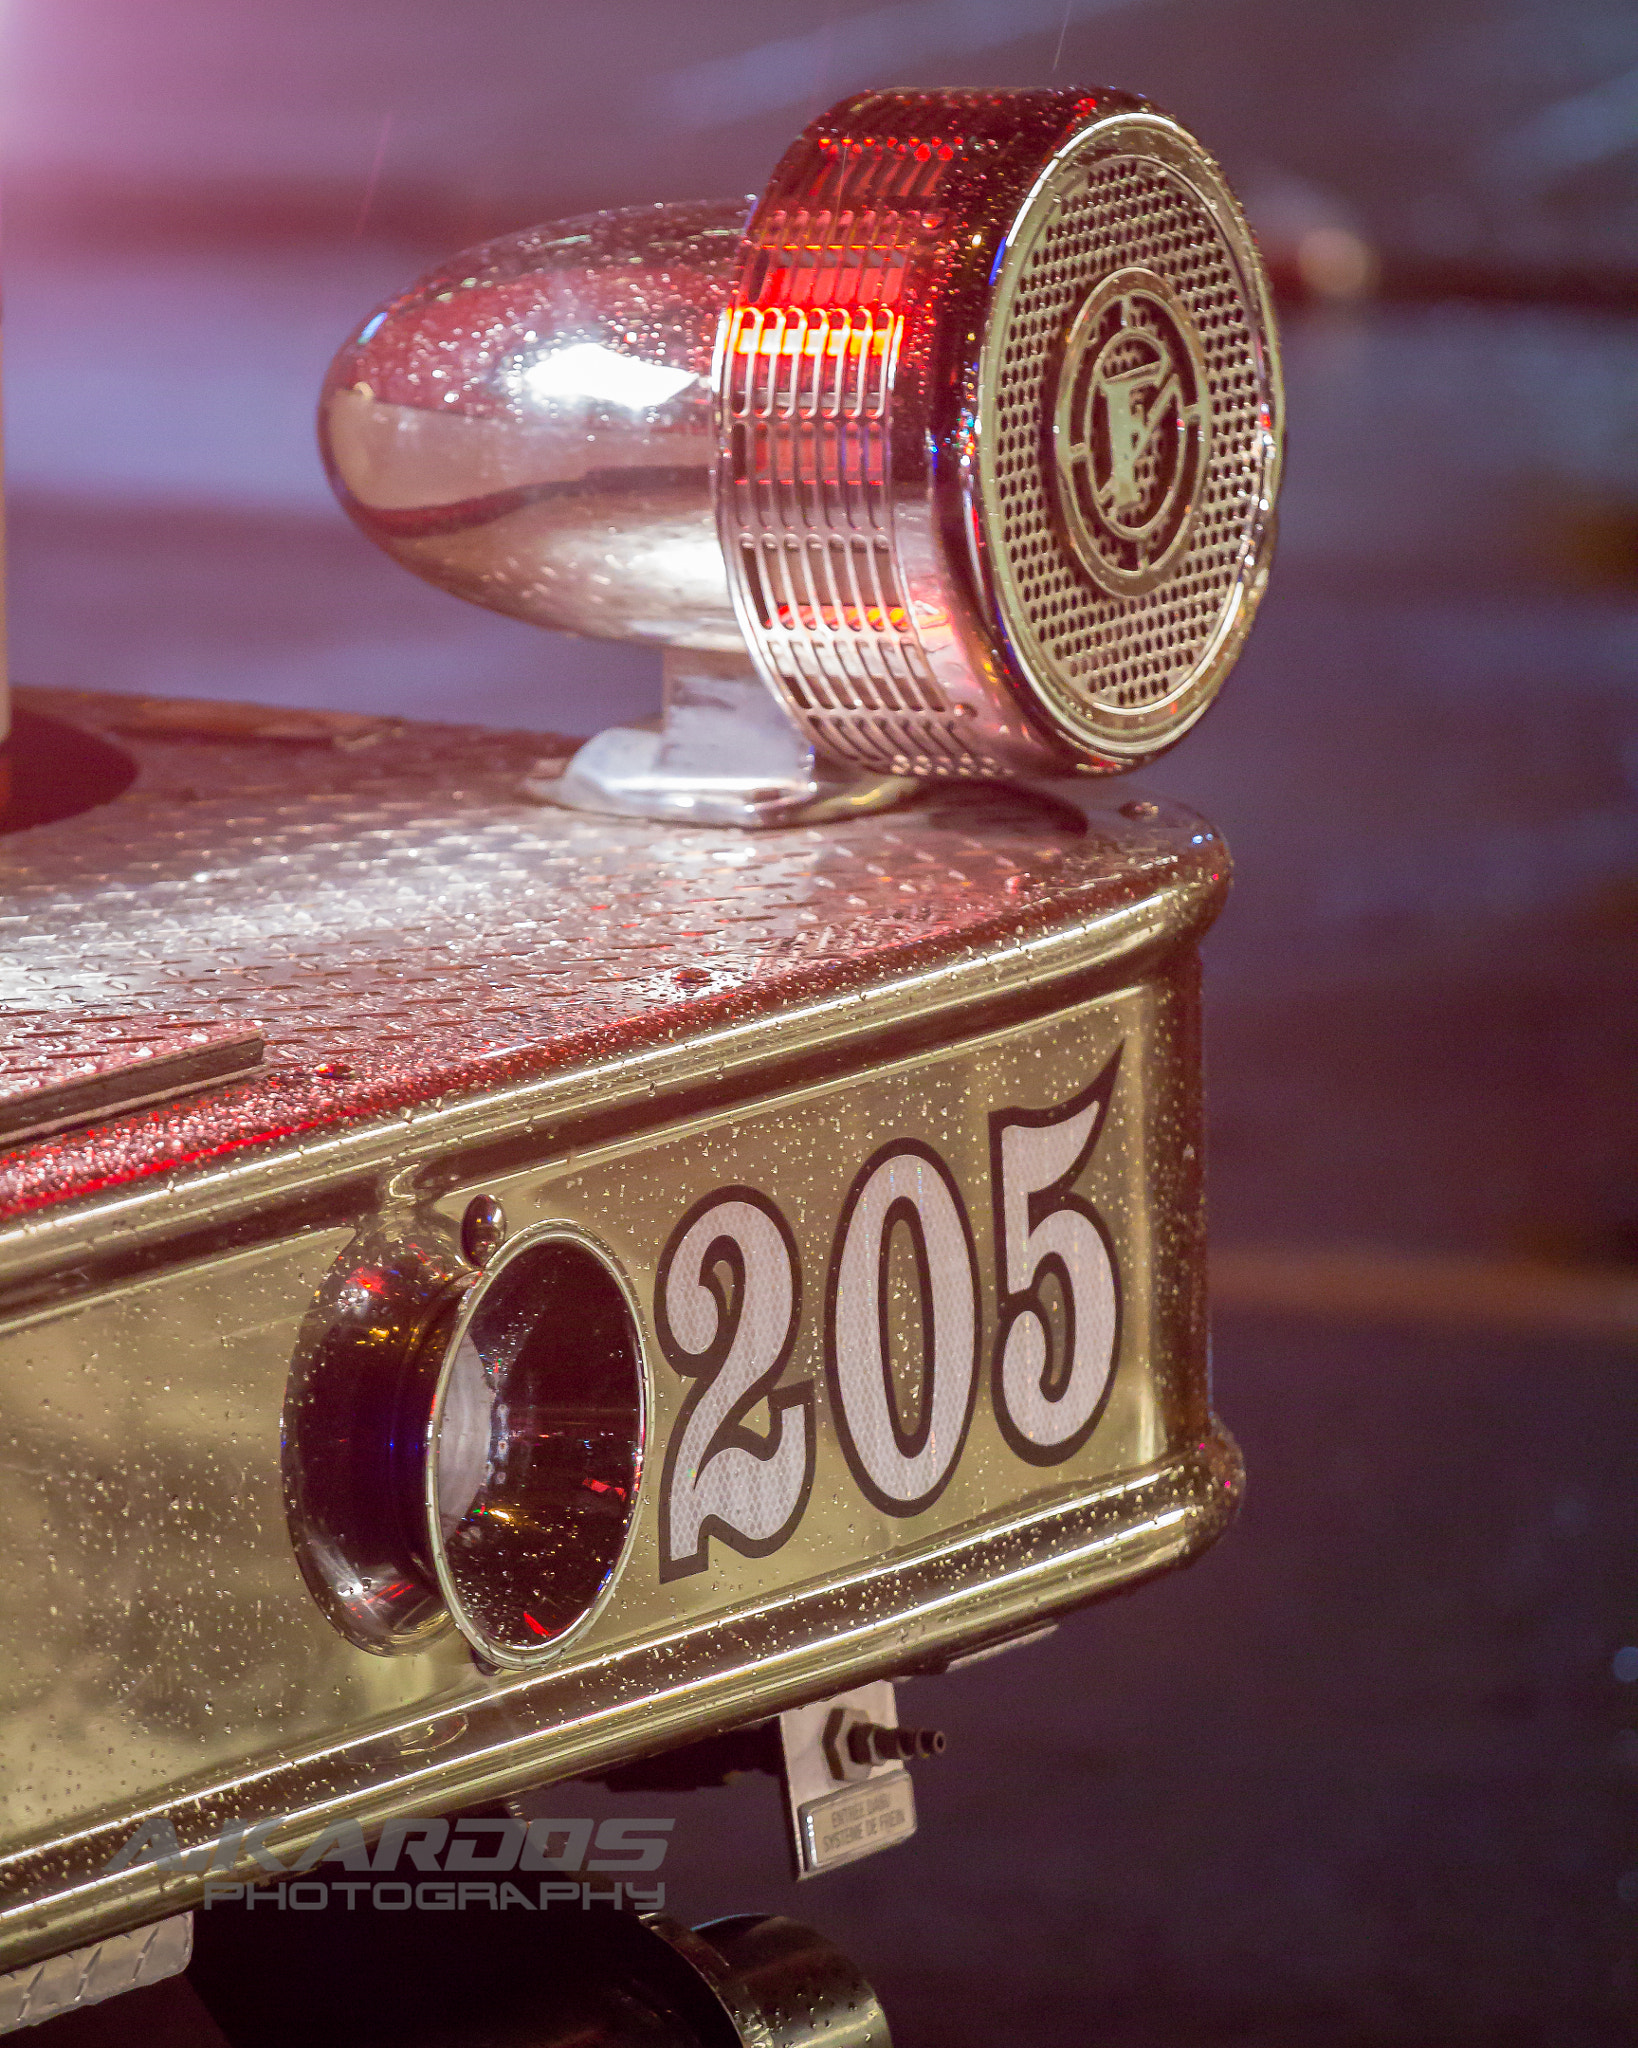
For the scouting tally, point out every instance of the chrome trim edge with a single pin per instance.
(801, 1644)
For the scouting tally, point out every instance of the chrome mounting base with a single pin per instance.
(724, 753)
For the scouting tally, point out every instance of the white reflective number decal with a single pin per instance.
(733, 1337)
(728, 1307)
(902, 1465)
(1047, 1406)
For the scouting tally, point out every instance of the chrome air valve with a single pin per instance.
(954, 455)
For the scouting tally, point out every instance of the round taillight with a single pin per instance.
(535, 1445)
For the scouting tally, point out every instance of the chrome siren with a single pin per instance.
(963, 441)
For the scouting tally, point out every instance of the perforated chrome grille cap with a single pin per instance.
(999, 407)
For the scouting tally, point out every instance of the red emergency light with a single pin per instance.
(963, 440)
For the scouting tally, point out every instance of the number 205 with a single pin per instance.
(733, 1337)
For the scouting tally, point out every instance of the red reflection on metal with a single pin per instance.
(832, 334)
(343, 917)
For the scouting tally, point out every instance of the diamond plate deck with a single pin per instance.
(380, 901)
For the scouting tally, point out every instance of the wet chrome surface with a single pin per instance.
(675, 1011)
(407, 929)
(531, 424)
(853, 391)
(894, 500)
(1420, 768)
(724, 751)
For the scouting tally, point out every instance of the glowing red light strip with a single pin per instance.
(796, 332)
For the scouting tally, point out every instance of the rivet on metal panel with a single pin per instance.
(483, 1229)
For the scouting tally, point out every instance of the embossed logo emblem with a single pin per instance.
(1132, 430)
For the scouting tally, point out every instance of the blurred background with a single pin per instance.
(1367, 1774)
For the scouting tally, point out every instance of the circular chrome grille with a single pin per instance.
(998, 406)
(1130, 439)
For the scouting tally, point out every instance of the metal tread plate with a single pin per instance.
(405, 929)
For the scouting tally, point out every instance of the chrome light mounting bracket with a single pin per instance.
(724, 751)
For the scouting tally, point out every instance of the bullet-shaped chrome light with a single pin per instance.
(968, 431)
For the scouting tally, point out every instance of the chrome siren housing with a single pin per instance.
(968, 431)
